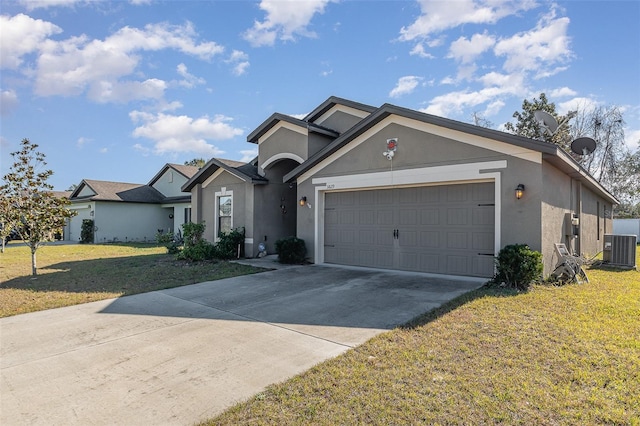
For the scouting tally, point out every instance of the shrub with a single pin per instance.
(169, 241)
(230, 245)
(86, 232)
(291, 250)
(195, 247)
(518, 267)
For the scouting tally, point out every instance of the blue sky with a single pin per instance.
(114, 90)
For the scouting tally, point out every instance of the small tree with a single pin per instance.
(6, 227)
(31, 203)
(528, 126)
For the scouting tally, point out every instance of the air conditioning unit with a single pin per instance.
(620, 250)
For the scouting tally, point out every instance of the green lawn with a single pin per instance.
(554, 355)
(73, 274)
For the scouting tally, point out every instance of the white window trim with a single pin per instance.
(440, 175)
(222, 193)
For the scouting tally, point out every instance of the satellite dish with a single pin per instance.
(547, 121)
(583, 146)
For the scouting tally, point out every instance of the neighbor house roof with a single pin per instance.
(62, 194)
(117, 191)
(186, 171)
(550, 152)
(248, 172)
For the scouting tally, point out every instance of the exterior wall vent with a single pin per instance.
(620, 250)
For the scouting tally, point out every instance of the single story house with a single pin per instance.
(125, 212)
(395, 188)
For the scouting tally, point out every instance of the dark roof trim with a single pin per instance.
(270, 122)
(333, 101)
(277, 117)
(243, 171)
(548, 150)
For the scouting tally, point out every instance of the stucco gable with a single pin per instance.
(245, 171)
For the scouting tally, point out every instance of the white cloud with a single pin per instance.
(284, 21)
(546, 44)
(240, 62)
(577, 103)
(101, 67)
(498, 87)
(188, 80)
(21, 35)
(466, 50)
(405, 86)
(632, 139)
(248, 155)
(181, 133)
(40, 4)
(418, 50)
(82, 141)
(8, 102)
(437, 16)
(562, 92)
(126, 91)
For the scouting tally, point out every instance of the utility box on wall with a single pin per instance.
(620, 250)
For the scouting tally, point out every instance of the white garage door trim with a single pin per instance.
(438, 175)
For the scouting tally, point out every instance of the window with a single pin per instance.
(224, 214)
(187, 215)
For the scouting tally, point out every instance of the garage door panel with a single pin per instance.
(385, 217)
(430, 239)
(457, 216)
(482, 216)
(482, 241)
(457, 240)
(367, 237)
(408, 217)
(384, 259)
(430, 217)
(440, 229)
(367, 217)
(429, 195)
(457, 265)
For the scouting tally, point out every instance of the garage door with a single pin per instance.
(445, 229)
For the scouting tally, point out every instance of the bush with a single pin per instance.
(518, 267)
(291, 250)
(86, 232)
(195, 247)
(169, 241)
(230, 245)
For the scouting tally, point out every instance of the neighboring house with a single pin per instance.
(444, 202)
(132, 212)
(177, 204)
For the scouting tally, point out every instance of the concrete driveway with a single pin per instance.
(182, 355)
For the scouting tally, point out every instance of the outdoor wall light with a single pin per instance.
(303, 202)
(519, 191)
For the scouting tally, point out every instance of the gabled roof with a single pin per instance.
(186, 171)
(550, 152)
(248, 172)
(333, 101)
(277, 117)
(118, 191)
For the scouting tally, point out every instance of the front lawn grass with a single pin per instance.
(554, 355)
(73, 274)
